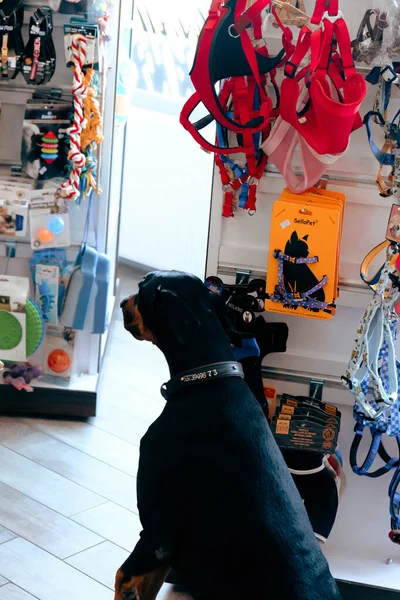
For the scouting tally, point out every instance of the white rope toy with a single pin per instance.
(71, 188)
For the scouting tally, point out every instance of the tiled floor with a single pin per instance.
(67, 488)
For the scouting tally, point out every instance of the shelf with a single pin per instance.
(77, 399)
(59, 19)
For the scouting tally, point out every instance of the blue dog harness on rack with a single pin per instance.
(389, 155)
(303, 299)
(388, 422)
(373, 362)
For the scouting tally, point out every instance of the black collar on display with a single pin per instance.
(200, 375)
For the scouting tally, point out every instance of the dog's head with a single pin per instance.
(171, 307)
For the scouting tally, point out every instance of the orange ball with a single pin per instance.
(45, 236)
(59, 361)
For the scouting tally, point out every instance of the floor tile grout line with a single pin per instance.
(104, 541)
(62, 559)
(102, 504)
(57, 558)
(52, 509)
(54, 473)
(24, 590)
(67, 479)
(133, 416)
(120, 438)
(108, 540)
(113, 543)
(54, 437)
(9, 530)
(84, 572)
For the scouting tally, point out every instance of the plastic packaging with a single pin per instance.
(377, 41)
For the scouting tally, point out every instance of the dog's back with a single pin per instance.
(226, 504)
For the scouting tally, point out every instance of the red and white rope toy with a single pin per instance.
(70, 189)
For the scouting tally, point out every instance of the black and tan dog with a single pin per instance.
(216, 500)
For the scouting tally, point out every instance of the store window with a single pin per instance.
(167, 182)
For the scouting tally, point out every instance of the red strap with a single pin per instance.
(201, 79)
(227, 208)
(222, 171)
(251, 198)
(336, 31)
(215, 7)
(307, 39)
(321, 6)
(344, 44)
(257, 26)
(252, 15)
(249, 15)
(187, 110)
(287, 34)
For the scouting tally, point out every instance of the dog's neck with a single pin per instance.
(206, 348)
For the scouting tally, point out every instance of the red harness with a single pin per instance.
(225, 50)
(242, 109)
(329, 117)
(240, 95)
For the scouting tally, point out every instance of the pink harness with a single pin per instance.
(319, 103)
(281, 146)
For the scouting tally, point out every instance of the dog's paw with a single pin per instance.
(125, 587)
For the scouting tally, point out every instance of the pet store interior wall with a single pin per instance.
(359, 549)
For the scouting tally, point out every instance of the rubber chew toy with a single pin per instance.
(20, 376)
(59, 361)
(10, 331)
(49, 147)
(70, 189)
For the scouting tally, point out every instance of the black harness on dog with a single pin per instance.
(200, 375)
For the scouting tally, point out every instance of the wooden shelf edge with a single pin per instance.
(48, 401)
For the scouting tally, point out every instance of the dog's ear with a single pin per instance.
(180, 320)
(220, 308)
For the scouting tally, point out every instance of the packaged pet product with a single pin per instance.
(54, 257)
(378, 38)
(13, 300)
(306, 430)
(90, 33)
(46, 291)
(12, 44)
(49, 220)
(59, 352)
(45, 140)
(13, 217)
(39, 56)
(303, 263)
